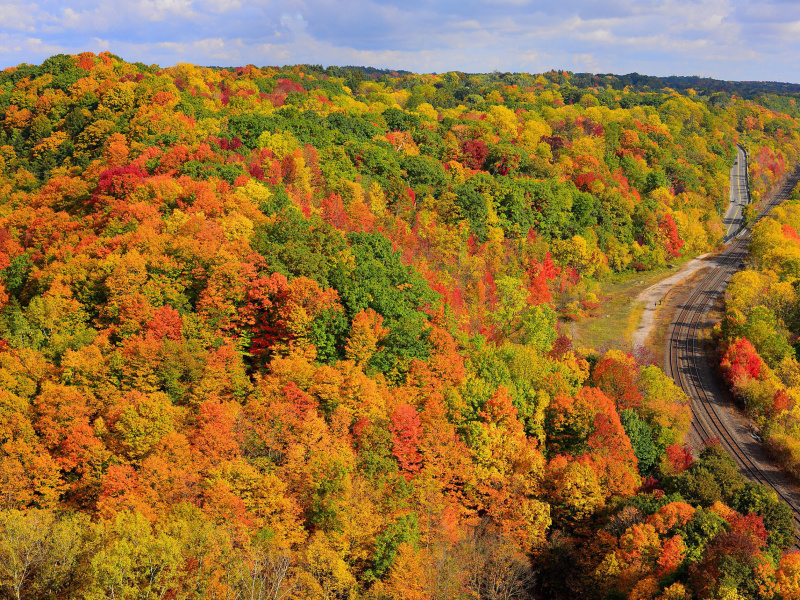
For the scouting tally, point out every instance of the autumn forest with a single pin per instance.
(305, 333)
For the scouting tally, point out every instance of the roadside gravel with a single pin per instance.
(655, 293)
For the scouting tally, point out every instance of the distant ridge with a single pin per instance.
(681, 82)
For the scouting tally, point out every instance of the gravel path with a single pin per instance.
(654, 294)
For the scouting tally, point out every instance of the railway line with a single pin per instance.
(712, 414)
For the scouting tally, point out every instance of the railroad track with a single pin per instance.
(686, 363)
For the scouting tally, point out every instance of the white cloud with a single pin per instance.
(15, 45)
(588, 62)
(158, 10)
(98, 19)
(723, 38)
(221, 6)
(18, 15)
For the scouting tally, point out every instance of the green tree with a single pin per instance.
(764, 501)
(401, 530)
(299, 247)
(763, 331)
(641, 437)
(698, 532)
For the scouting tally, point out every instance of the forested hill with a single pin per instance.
(302, 331)
(717, 89)
(781, 96)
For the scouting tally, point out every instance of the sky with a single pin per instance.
(723, 39)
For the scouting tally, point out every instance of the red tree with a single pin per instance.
(474, 153)
(618, 381)
(740, 360)
(406, 429)
(669, 233)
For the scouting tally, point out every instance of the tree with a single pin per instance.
(40, 552)
(641, 437)
(665, 407)
(262, 335)
(699, 531)
(763, 501)
(517, 319)
(331, 577)
(492, 568)
(262, 570)
(788, 575)
(671, 516)
(281, 316)
(616, 374)
(366, 333)
(740, 360)
(573, 487)
(761, 329)
(380, 281)
(403, 531)
(406, 429)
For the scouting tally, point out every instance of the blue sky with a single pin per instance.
(725, 39)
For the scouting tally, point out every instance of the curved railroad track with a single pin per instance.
(713, 416)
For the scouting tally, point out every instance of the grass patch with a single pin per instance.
(619, 313)
(634, 318)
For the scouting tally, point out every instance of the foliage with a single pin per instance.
(298, 333)
(759, 328)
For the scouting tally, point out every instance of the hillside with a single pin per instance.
(285, 333)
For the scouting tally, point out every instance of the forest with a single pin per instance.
(758, 335)
(302, 333)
